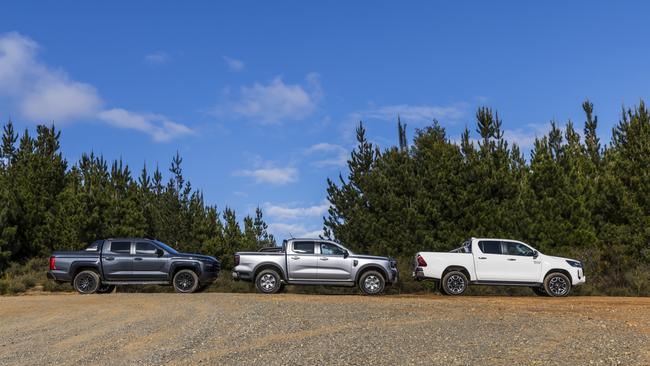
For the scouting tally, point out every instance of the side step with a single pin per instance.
(136, 283)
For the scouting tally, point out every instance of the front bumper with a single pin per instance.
(579, 277)
(393, 276)
(208, 277)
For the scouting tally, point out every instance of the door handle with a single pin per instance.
(294, 258)
(323, 258)
(137, 259)
(512, 259)
(482, 257)
(109, 258)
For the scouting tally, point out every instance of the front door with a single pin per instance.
(333, 264)
(520, 264)
(147, 265)
(302, 261)
(117, 261)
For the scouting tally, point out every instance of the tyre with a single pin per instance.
(268, 281)
(454, 283)
(557, 285)
(105, 289)
(185, 281)
(86, 282)
(539, 291)
(372, 283)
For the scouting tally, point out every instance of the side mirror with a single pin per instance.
(346, 254)
(535, 254)
(159, 252)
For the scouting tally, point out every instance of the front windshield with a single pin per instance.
(166, 247)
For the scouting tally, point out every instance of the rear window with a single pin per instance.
(303, 247)
(94, 246)
(145, 248)
(121, 247)
(490, 247)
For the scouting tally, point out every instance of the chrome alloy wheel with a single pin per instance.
(456, 284)
(372, 283)
(85, 282)
(267, 282)
(184, 281)
(558, 286)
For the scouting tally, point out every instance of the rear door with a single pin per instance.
(332, 264)
(302, 261)
(117, 260)
(147, 265)
(489, 261)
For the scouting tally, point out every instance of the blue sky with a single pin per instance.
(261, 98)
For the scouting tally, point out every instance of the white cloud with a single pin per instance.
(157, 58)
(284, 230)
(159, 127)
(273, 102)
(415, 113)
(271, 175)
(335, 155)
(42, 94)
(55, 98)
(525, 137)
(234, 64)
(293, 212)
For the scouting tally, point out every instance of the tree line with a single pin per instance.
(47, 205)
(572, 196)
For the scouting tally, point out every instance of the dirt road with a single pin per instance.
(284, 329)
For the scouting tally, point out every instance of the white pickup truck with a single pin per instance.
(502, 262)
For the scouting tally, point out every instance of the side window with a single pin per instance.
(145, 248)
(330, 249)
(122, 247)
(490, 247)
(303, 247)
(517, 249)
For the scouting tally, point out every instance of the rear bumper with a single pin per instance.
(242, 276)
(59, 276)
(418, 275)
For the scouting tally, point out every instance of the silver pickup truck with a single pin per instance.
(314, 262)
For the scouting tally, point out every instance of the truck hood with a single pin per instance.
(197, 256)
(563, 260)
(371, 257)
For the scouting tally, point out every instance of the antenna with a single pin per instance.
(291, 235)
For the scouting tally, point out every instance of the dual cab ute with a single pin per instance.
(126, 261)
(499, 262)
(314, 262)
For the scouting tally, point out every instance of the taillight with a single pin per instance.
(421, 261)
(236, 259)
(52, 263)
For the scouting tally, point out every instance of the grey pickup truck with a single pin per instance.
(314, 262)
(128, 261)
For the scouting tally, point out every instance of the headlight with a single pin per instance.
(575, 264)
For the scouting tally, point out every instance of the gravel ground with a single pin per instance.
(236, 329)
